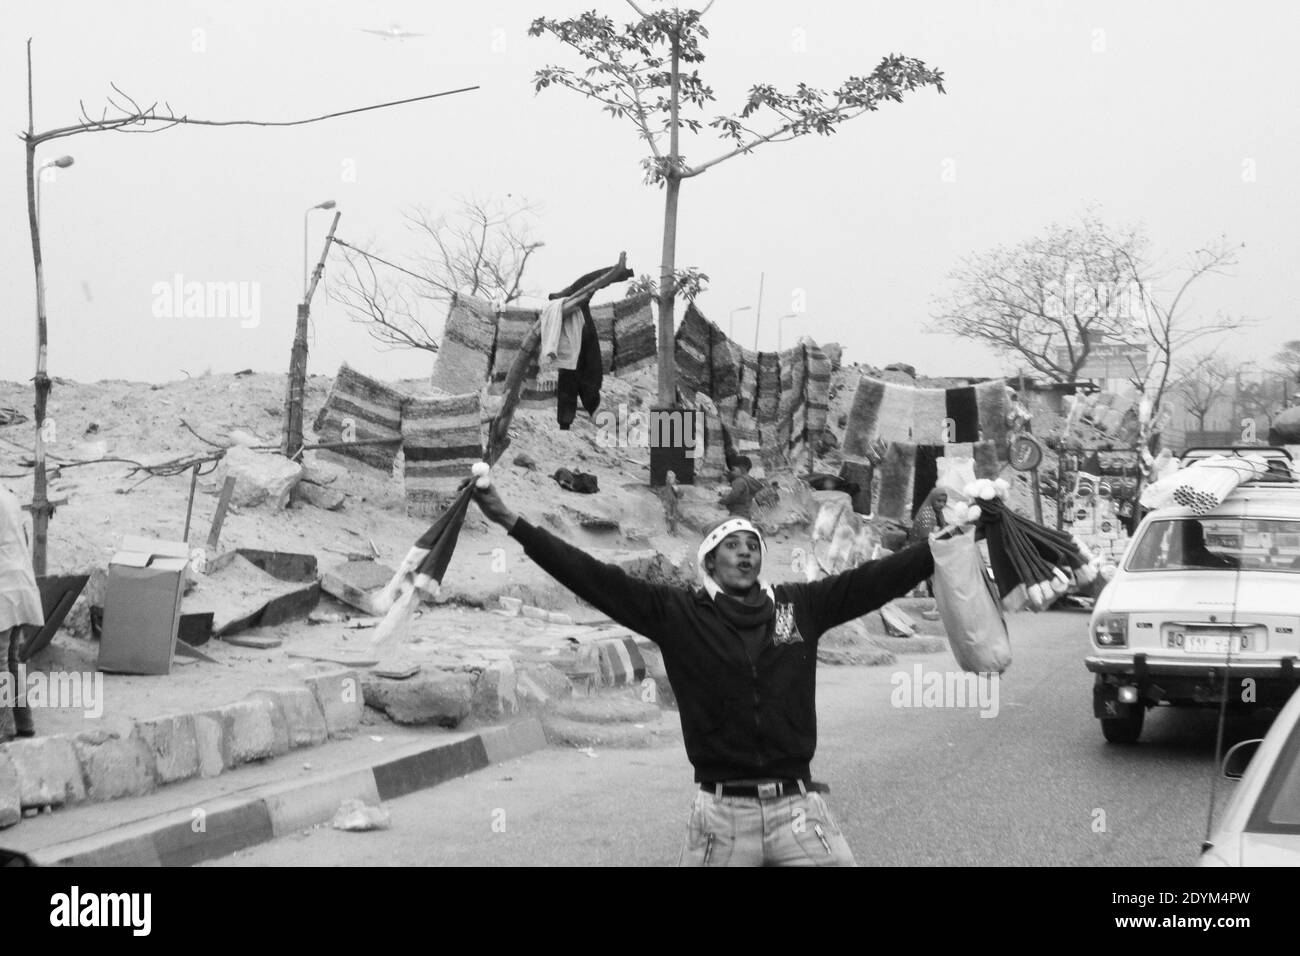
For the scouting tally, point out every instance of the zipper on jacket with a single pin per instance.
(821, 835)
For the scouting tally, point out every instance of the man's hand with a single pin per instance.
(493, 508)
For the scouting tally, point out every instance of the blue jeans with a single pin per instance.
(748, 831)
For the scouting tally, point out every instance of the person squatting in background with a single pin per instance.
(20, 608)
(739, 499)
(741, 655)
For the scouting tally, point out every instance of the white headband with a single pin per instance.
(715, 538)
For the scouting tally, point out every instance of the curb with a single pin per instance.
(231, 823)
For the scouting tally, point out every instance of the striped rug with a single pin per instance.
(442, 439)
(634, 334)
(468, 342)
(360, 409)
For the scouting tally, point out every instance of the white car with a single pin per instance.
(1201, 598)
(1261, 824)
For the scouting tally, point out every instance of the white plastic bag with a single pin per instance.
(955, 473)
(969, 606)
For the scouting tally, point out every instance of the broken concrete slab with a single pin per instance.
(262, 642)
(241, 596)
(173, 741)
(49, 774)
(281, 565)
(358, 583)
(261, 478)
(395, 670)
(433, 696)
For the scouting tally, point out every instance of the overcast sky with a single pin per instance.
(1181, 115)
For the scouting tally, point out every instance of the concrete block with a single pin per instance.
(174, 743)
(260, 478)
(338, 694)
(358, 583)
(49, 774)
(115, 764)
(495, 692)
(432, 696)
(11, 807)
(304, 720)
(210, 739)
(327, 499)
(538, 684)
(253, 729)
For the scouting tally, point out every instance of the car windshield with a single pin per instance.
(1269, 544)
(1278, 807)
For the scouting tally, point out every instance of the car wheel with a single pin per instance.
(1124, 730)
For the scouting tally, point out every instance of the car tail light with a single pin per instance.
(1111, 630)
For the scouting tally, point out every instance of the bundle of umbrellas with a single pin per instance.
(1032, 564)
(1203, 485)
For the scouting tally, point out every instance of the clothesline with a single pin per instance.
(368, 255)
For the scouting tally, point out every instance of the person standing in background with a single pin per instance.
(20, 607)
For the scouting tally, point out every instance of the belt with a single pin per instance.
(769, 790)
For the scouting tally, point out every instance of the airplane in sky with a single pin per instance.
(394, 32)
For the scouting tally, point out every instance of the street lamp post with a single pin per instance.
(779, 323)
(42, 508)
(306, 277)
(63, 162)
(731, 320)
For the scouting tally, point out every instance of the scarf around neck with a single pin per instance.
(740, 613)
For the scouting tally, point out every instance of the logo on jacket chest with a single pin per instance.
(786, 631)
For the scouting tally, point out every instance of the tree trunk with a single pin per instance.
(667, 352)
(668, 262)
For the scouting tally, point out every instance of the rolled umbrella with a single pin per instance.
(421, 572)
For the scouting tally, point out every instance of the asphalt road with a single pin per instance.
(920, 786)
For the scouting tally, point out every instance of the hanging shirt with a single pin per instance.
(561, 335)
(20, 600)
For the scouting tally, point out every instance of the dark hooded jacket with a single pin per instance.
(744, 714)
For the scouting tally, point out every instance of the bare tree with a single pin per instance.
(1288, 360)
(1165, 323)
(644, 72)
(1203, 382)
(1048, 302)
(122, 114)
(482, 249)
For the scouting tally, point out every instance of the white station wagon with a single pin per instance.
(1200, 599)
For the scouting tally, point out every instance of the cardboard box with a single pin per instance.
(142, 607)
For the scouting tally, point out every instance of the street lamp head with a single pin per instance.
(63, 162)
(327, 204)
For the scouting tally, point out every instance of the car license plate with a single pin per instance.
(1211, 643)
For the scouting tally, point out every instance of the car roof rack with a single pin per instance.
(1281, 467)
